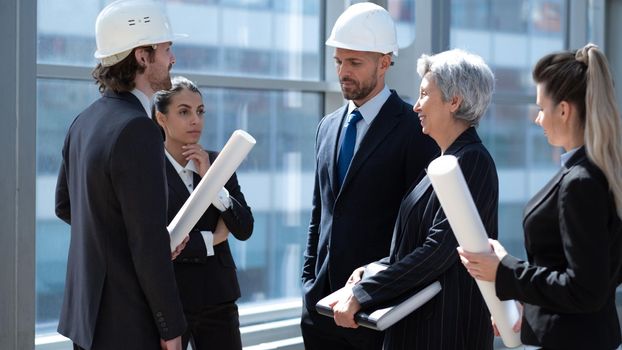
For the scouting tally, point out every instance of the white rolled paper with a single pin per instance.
(452, 192)
(229, 159)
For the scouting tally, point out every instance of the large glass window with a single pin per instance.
(276, 178)
(58, 102)
(403, 12)
(511, 35)
(250, 38)
(264, 39)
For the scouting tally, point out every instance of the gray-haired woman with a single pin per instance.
(455, 91)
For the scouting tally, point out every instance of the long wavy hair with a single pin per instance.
(120, 77)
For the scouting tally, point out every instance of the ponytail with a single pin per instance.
(602, 120)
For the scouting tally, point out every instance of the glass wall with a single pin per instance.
(262, 39)
(403, 12)
(230, 37)
(283, 41)
(511, 35)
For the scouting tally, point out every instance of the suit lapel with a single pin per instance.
(195, 179)
(176, 186)
(387, 118)
(332, 136)
(406, 208)
(544, 193)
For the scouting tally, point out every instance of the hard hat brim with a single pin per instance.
(335, 43)
(171, 38)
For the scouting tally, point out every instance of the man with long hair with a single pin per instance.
(120, 288)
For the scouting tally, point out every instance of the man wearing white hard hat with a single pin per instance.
(120, 290)
(368, 152)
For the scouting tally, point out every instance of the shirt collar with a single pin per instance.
(178, 168)
(566, 156)
(144, 100)
(369, 110)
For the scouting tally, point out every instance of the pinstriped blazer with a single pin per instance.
(424, 250)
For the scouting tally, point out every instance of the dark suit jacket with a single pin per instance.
(120, 290)
(204, 280)
(573, 238)
(352, 226)
(424, 251)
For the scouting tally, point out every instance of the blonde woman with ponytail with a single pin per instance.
(573, 227)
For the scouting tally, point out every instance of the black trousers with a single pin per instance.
(214, 327)
(321, 333)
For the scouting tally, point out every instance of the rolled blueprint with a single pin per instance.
(229, 159)
(455, 198)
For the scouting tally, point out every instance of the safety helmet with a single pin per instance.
(126, 24)
(364, 27)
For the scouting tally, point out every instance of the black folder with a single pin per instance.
(382, 317)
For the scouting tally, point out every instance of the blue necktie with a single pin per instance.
(347, 145)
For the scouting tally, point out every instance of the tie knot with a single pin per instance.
(354, 117)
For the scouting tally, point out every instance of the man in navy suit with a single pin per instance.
(120, 290)
(368, 154)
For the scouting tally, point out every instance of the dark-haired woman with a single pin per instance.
(205, 270)
(573, 231)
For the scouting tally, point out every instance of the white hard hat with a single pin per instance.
(126, 24)
(364, 27)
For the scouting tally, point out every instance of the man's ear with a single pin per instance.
(385, 61)
(141, 56)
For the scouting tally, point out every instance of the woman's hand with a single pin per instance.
(194, 152)
(222, 232)
(179, 248)
(483, 266)
(345, 308)
(517, 325)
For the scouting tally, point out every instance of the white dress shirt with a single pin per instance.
(144, 100)
(369, 111)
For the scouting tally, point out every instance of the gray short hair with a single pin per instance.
(459, 73)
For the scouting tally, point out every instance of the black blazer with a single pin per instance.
(573, 239)
(204, 280)
(120, 290)
(424, 251)
(352, 226)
